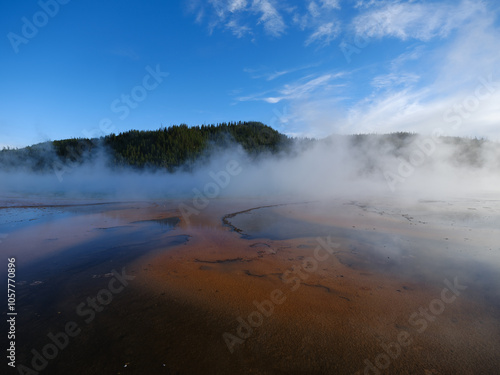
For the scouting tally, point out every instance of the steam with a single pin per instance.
(398, 166)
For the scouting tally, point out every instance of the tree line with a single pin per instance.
(180, 146)
(166, 148)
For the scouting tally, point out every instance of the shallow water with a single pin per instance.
(412, 254)
(66, 254)
(391, 261)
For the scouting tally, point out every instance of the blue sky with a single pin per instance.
(309, 67)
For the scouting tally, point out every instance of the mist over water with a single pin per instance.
(403, 166)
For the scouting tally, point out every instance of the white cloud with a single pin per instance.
(422, 21)
(199, 16)
(270, 76)
(242, 17)
(237, 29)
(321, 18)
(272, 20)
(316, 10)
(331, 4)
(313, 9)
(418, 111)
(275, 75)
(364, 3)
(278, 74)
(236, 5)
(454, 98)
(298, 90)
(394, 80)
(395, 111)
(236, 15)
(446, 93)
(411, 88)
(324, 34)
(219, 7)
(414, 53)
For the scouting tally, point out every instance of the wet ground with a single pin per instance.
(255, 287)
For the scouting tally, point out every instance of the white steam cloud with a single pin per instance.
(411, 166)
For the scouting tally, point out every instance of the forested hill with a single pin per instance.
(180, 146)
(166, 148)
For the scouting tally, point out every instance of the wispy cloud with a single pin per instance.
(422, 21)
(236, 5)
(270, 17)
(324, 34)
(440, 95)
(300, 89)
(320, 17)
(444, 48)
(270, 76)
(330, 4)
(244, 17)
(240, 16)
(369, 3)
(454, 98)
(316, 8)
(394, 80)
(412, 54)
(237, 29)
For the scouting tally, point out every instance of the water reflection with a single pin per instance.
(412, 255)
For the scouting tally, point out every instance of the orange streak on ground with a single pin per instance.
(335, 319)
